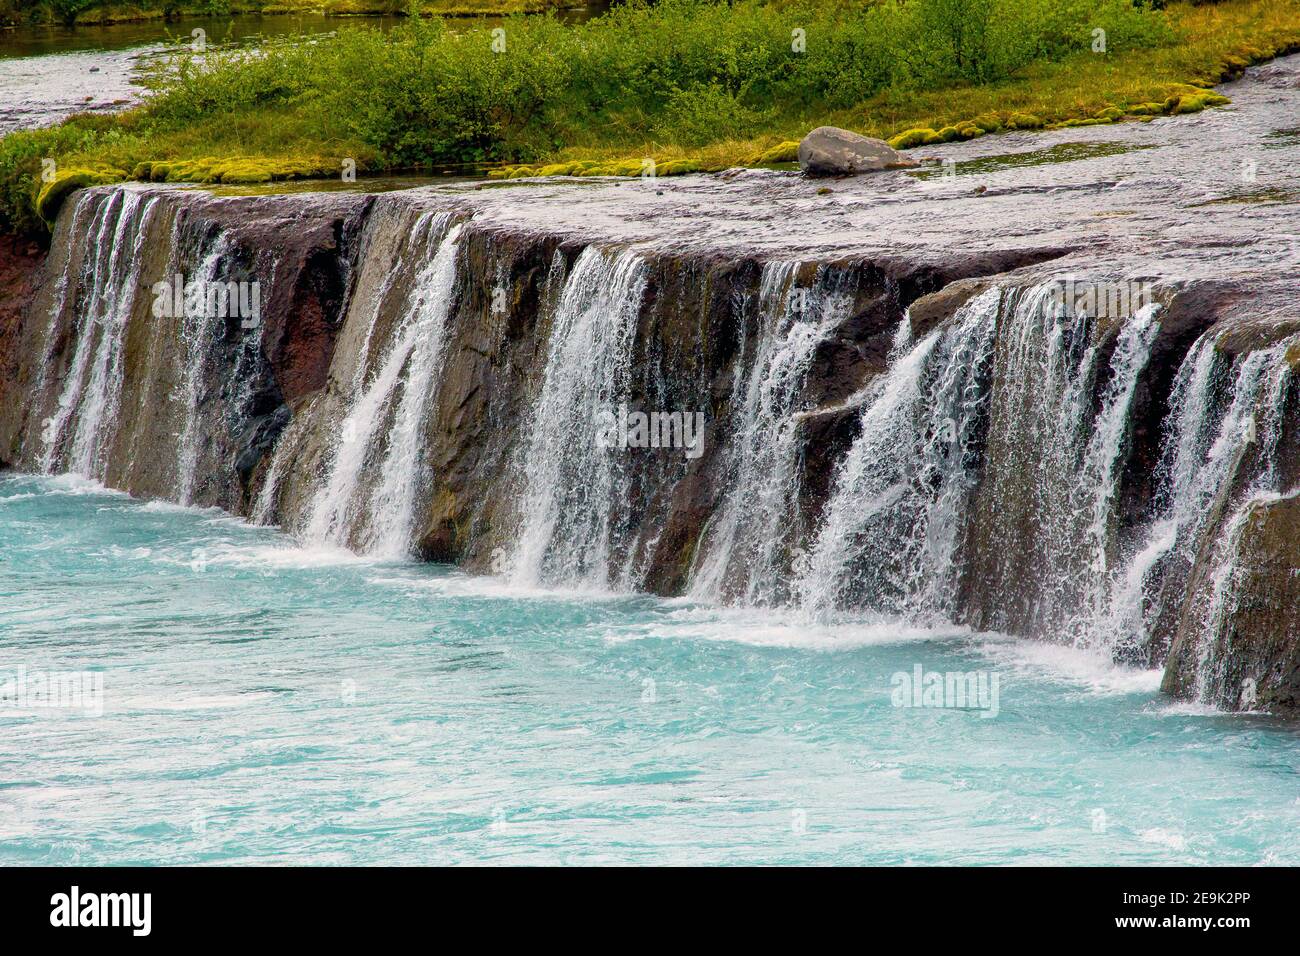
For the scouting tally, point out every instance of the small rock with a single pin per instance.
(830, 151)
(94, 69)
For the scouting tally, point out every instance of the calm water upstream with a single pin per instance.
(264, 703)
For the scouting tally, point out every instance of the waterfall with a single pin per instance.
(1019, 467)
(739, 557)
(1013, 374)
(199, 332)
(399, 392)
(1253, 419)
(1098, 477)
(1204, 439)
(575, 494)
(890, 528)
(76, 437)
(86, 204)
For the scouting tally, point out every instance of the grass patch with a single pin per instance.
(90, 12)
(685, 84)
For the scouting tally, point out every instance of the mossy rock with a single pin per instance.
(1110, 114)
(52, 194)
(1070, 123)
(912, 137)
(626, 167)
(244, 171)
(1024, 121)
(1194, 102)
(787, 152)
(1146, 109)
(948, 134)
(988, 122)
(557, 169)
(678, 167)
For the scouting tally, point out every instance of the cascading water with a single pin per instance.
(201, 327)
(739, 557)
(1095, 483)
(901, 505)
(890, 528)
(574, 497)
(1008, 470)
(76, 436)
(1203, 442)
(397, 395)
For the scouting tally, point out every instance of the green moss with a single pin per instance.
(1024, 121)
(1193, 102)
(51, 195)
(678, 167)
(786, 152)
(910, 138)
(559, 169)
(1110, 114)
(244, 172)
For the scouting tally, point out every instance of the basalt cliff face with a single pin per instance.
(1052, 395)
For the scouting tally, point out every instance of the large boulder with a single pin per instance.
(830, 151)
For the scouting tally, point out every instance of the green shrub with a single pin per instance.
(689, 71)
(705, 114)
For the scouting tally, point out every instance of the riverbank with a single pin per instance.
(17, 13)
(693, 86)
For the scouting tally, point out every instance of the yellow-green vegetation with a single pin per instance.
(1192, 101)
(52, 193)
(88, 12)
(231, 170)
(689, 84)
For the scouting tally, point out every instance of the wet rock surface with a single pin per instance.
(763, 305)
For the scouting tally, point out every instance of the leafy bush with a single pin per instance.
(705, 114)
(687, 70)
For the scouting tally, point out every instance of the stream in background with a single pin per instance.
(47, 73)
